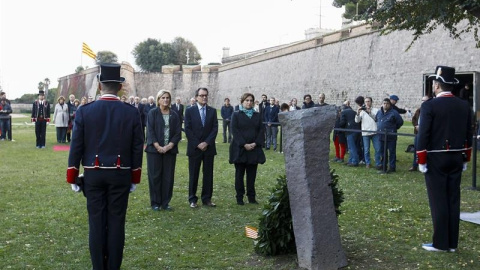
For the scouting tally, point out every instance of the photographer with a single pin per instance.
(366, 115)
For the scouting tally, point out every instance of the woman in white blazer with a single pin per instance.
(60, 118)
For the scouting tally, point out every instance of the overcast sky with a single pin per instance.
(43, 39)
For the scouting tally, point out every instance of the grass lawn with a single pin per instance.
(385, 218)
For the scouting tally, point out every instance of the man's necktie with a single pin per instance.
(202, 115)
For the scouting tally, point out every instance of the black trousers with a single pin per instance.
(443, 187)
(61, 134)
(40, 132)
(240, 169)
(107, 199)
(194, 164)
(161, 173)
(69, 134)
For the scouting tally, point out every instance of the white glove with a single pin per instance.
(133, 187)
(75, 187)
(422, 168)
(464, 166)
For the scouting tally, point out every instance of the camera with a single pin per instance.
(363, 108)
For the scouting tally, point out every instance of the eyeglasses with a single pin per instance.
(203, 96)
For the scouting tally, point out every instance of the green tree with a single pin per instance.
(26, 98)
(151, 54)
(106, 57)
(181, 48)
(79, 69)
(52, 95)
(422, 16)
(354, 7)
(41, 86)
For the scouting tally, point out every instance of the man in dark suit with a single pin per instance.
(107, 140)
(71, 106)
(201, 128)
(444, 145)
(150, 105)
(141, 110)
(271, 118)
(193, 101)
(178, 108)
(41, 117)
(263, 105)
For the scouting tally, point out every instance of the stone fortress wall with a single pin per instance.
(349, 63)
(343, 65)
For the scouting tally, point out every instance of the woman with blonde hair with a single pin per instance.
(83, 101)
(164, 134)
(60, 118)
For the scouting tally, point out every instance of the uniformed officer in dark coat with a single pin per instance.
(107, 140)
(443, 149)
(41, 117)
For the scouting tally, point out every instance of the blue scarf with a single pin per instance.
(248, 112)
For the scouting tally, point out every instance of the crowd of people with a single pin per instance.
(359, 129)
(108, 137)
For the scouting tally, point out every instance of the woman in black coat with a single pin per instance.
(246, 147)
(164, 134)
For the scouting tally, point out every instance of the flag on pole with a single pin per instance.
(86, 50)
(251, 232)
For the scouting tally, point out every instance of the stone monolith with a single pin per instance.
(306, 141)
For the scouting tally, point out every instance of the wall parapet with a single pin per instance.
(337, 36)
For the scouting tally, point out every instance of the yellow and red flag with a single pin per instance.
(251, 232)
(86, 50)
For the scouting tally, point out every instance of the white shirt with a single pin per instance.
(367, 120)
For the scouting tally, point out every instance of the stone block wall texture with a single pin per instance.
(368, 65)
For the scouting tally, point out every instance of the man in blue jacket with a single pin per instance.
(388, 120)
(226, 112)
